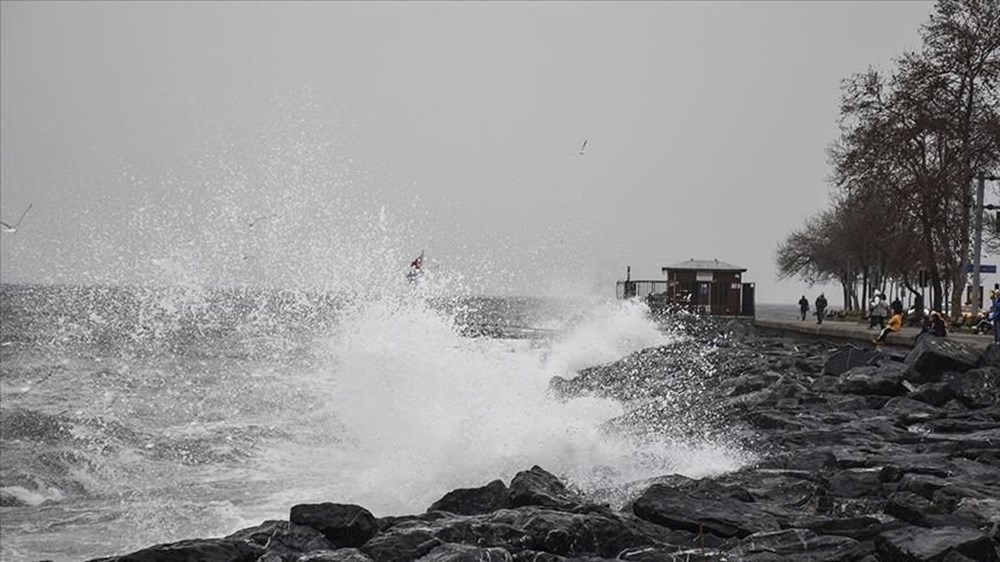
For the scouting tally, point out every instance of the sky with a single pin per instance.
(147, 137)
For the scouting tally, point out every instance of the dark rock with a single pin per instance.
(798, 544)
(911, 508)
(857, 528)
(949, 496)
(201, 550)
(564, 533)
(932, 357)
(933, 393)
(470, 501)
(484, 532)
(850, 357)
(923, 485)
(539, 487)
(882, 380)
(856, 483)
(282, 537)
(339, 555)
(984, 512)
(920, 544)
(908, 411)
(537, 556)
(990, 356)
(344, 525)
(401, 545)
(658, 554)
(677, 509)
(450, 552)
(977, 388)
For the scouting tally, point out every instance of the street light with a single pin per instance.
(977, 297)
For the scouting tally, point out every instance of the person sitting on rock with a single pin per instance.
(895, 323)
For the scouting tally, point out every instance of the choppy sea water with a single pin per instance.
(134, 416)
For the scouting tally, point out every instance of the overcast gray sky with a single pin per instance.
(148, 135)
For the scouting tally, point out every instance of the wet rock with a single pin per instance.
(920, 544)
(850, 357)
(677, 509)
(931, 357)
(401, 545)
(933, 393)
(797, 544)
(282, 537)
(203, 550)
(344, 525)
(466, 553)
(908, 411)
(857, 528)
(882, 380)
(340, 555)
(856, 483)
(984, 512)
(990, 356)
(539, 487)
(977, 388)
(470, 501)
(911, 508)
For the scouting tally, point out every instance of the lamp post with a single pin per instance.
(977, 297)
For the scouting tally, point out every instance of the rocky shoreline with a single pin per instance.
(862, 456)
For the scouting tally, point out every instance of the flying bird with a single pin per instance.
(259, 219)
(8, 228)
(583, 147)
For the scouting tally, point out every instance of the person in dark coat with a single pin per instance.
(820, 308)
(804, 306)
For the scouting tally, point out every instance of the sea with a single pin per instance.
(138, 415)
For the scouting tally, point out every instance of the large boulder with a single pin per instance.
(695, 512)
(466, 553)
(344, 525)
(282, 537)
(918, 544)
(976, 388)
(881, 380)
(401, 545)
(202, 550)
(931, 357)
(797, 544)
(850, 357)
(470, 501)
(540, 487)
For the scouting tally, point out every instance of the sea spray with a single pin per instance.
(424, 410)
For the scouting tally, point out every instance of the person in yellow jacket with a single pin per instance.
(895, 323)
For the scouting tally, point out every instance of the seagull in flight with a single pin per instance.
(8, 228)
(259, 219)
(583, 147)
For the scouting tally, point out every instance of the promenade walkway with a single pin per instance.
(858, 332)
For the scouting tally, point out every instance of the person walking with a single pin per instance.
(804, 307)
(820, 308)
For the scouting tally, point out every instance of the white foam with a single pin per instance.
(424, 410)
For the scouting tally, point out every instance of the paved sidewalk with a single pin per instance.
(857, 332)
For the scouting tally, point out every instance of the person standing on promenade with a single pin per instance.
(820, 308)
(897, 306)
(994, 318)
(804, 306)
(878, 311)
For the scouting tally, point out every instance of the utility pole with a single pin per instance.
(977, 301)
(978, 242)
